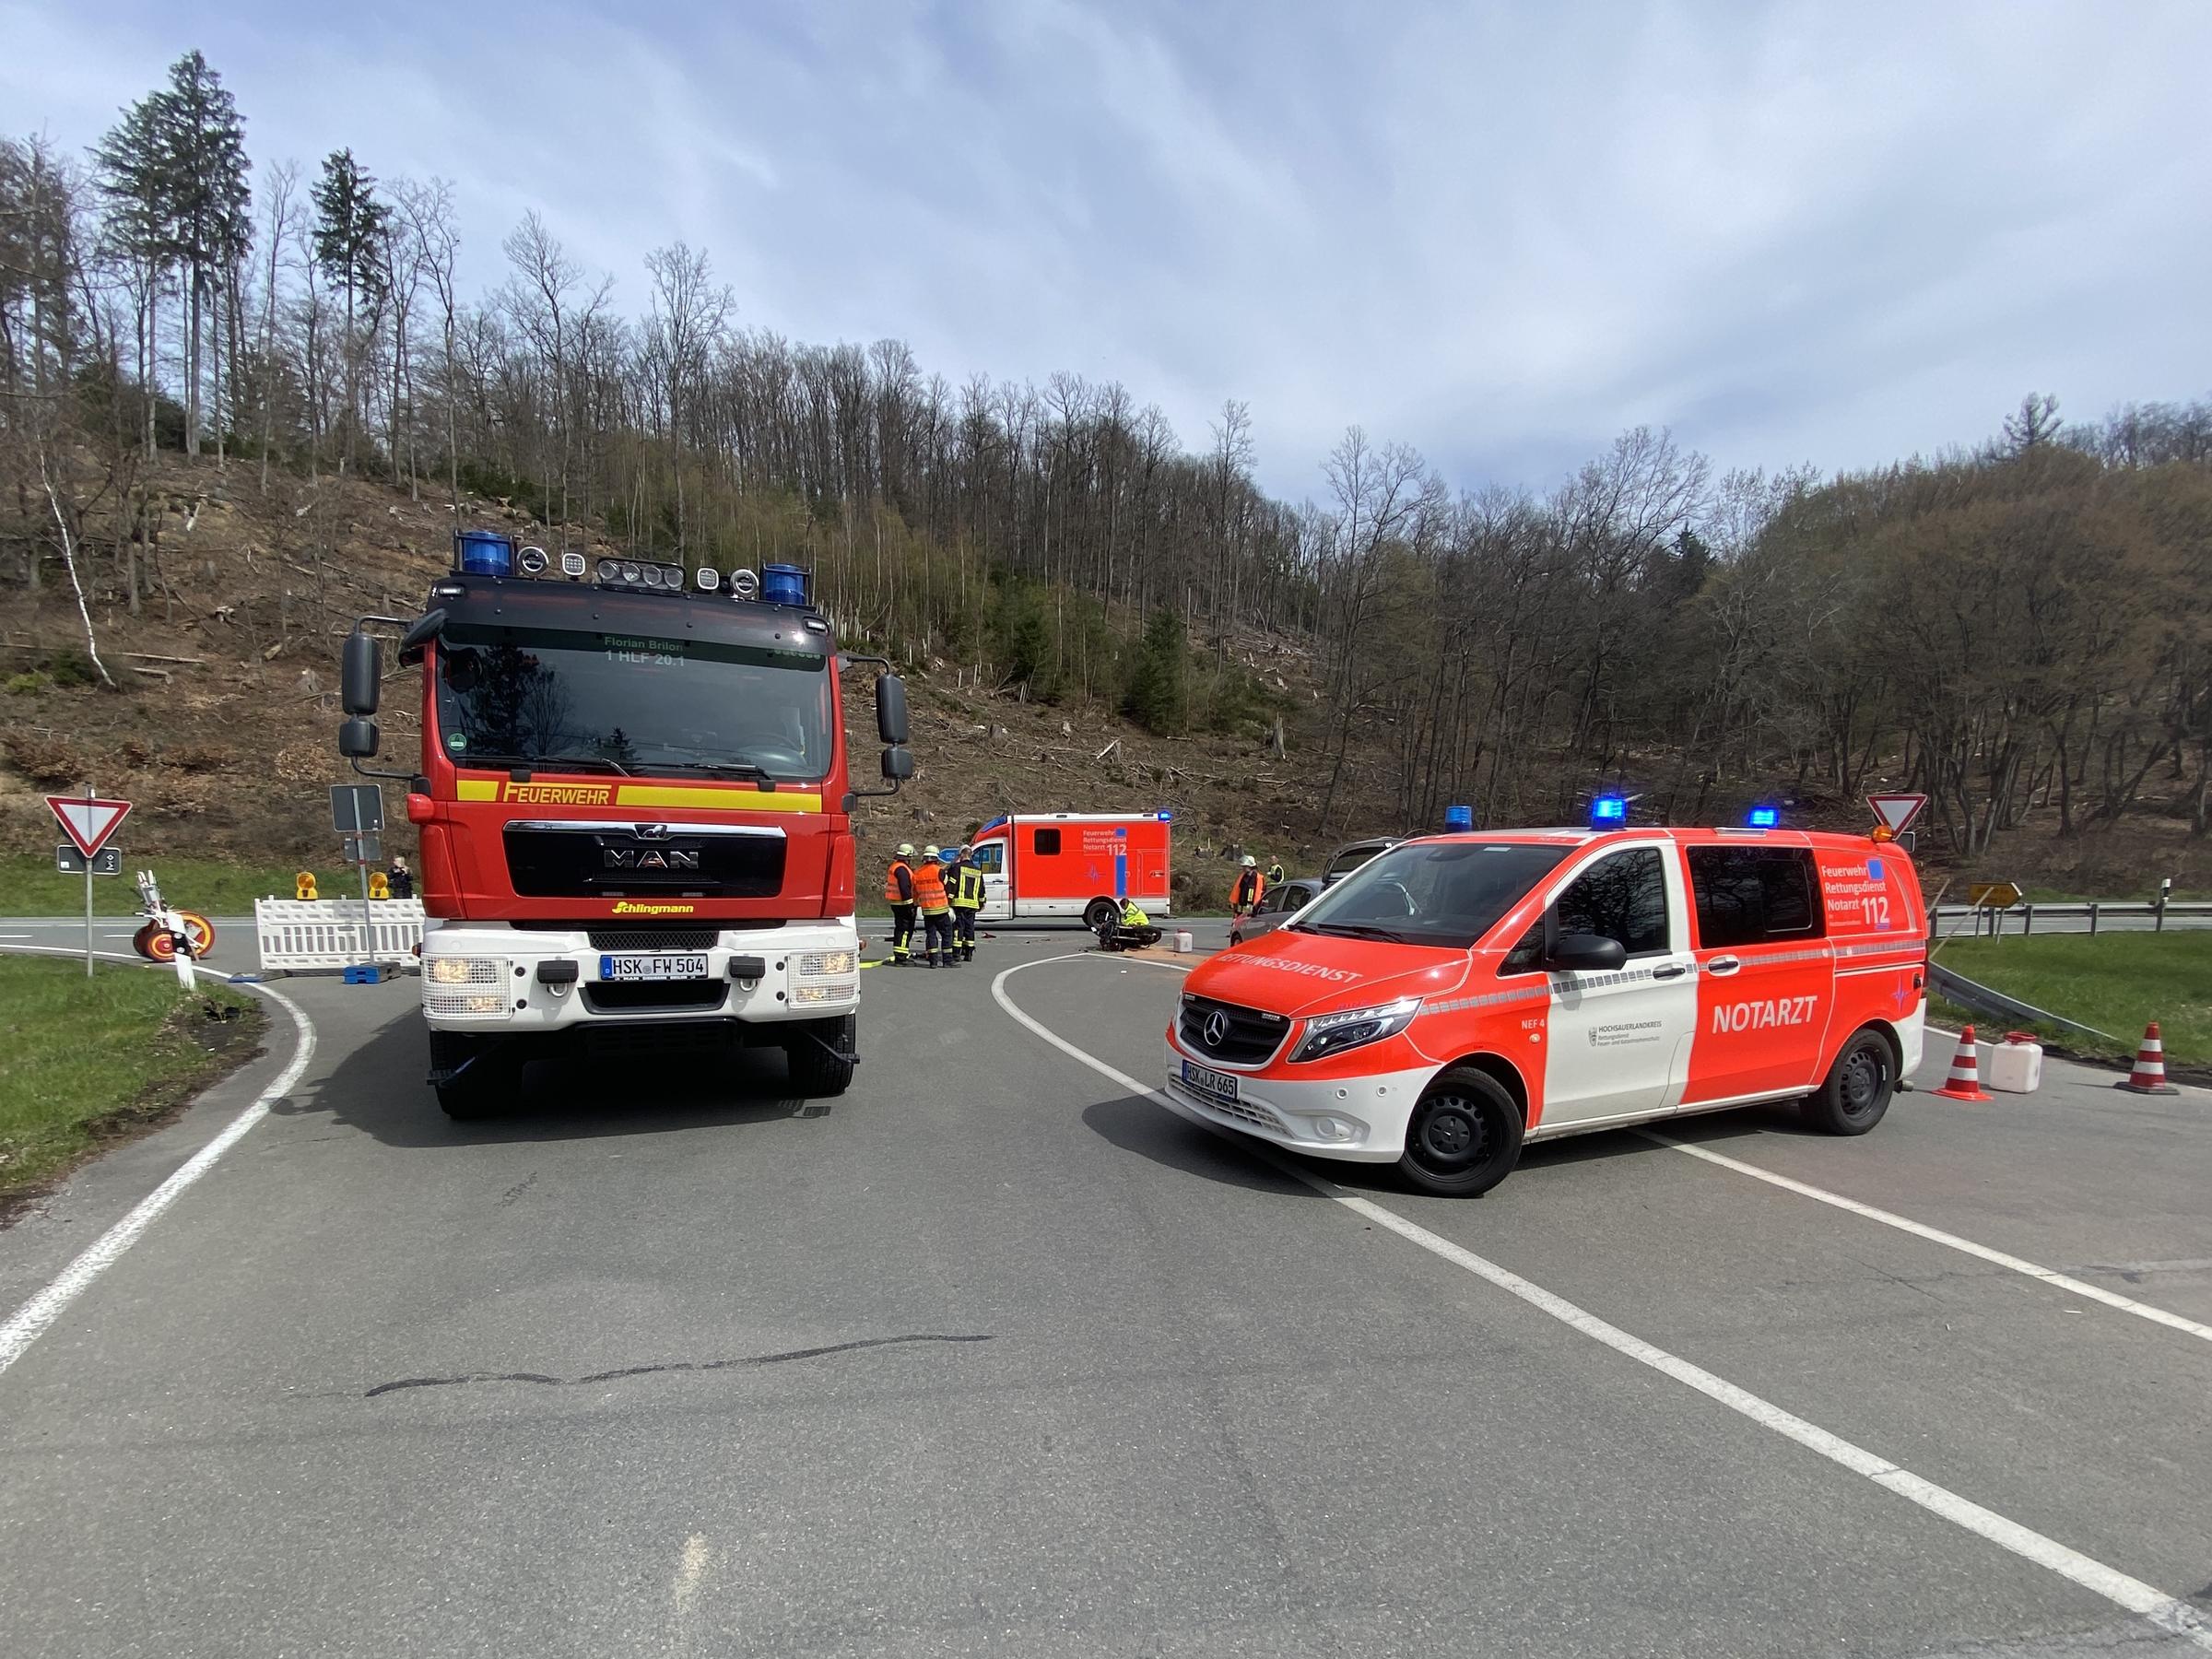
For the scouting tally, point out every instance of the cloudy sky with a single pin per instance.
(1501, 233)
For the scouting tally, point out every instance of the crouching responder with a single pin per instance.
(1132, 930)
(1244, 894)
(965, 879)
(930, 899)
(898, 893)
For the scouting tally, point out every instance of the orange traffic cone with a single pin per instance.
(2149, 1075)
(1965, 1081)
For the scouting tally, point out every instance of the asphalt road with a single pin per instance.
(997, 1356)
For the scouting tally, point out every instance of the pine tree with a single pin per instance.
(1159, 698)
(348, 222)
(138, 228)
(208, 203)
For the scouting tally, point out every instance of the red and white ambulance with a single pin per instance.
(1073, 864)
(1460, 997)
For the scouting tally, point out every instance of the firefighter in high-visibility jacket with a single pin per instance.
(935, 906)
(1250, 884)
(898, 893)
(965, 881)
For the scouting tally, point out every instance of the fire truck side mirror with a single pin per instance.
(898, 764)
(359, 672)
(890, 712)
(357, 739)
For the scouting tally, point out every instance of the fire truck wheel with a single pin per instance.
(815, 1069)
(1464, 1137)
(1101, 912)
(1856, 1091)
(474, 1092)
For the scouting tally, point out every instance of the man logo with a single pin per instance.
(1217, 1028)
(650, 858)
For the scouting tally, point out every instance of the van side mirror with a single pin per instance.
(890, 710)
(898, 764)
(360, 674)
(1586, 953)
(358, 737)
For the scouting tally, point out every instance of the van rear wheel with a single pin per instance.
(1464, 1137)
(1858, 1088)
(1101, 912)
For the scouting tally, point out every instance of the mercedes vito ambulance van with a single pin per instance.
(1460, 997)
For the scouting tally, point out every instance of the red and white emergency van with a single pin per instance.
(1459, 996)
(1073, 864)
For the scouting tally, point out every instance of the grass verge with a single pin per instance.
(2117, 982)
(29, 886)
(90, 1060)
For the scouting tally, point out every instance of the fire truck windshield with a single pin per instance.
(608, 701)
(1445, 893)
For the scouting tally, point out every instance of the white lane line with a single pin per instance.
(1920, 1230)
(27, 1322)
(2149, 1601)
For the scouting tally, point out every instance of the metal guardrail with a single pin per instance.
(2122, 915)
(1982, 999)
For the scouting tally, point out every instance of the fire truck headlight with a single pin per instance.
(1329, 1034)
(825, 964)
(450, 970)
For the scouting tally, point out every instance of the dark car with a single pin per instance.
(1351, 855)
(1276, 906)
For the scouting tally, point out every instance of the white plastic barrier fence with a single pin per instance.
(326, 933)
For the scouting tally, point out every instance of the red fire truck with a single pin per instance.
(1073, 864)
(634, 810)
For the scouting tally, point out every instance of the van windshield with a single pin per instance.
(1445, 893)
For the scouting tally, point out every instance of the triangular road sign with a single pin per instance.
(1896, 810)
(88, 823)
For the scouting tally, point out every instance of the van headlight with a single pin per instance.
(1329, 1034)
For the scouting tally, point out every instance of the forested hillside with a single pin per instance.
(2020, 628)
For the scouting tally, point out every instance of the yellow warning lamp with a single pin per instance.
(1881, 832)
(379, 885)
(304, 886)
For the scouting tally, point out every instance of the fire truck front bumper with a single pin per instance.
(492, 978)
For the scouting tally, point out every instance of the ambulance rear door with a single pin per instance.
(1765, 969)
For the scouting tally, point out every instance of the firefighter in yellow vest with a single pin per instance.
(898, 893)
(965, 881)
(930, 899)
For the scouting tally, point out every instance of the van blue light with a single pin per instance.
(1765, 818)
(1608, 809)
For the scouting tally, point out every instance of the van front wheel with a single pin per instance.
(1464, 1137)
(1857, 1089)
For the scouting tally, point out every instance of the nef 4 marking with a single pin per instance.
(1757, 1015)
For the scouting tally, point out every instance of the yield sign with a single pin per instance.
(87, 822)
(1896, 810)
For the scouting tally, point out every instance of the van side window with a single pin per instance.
(1622, 896)
(1045, 843)
(1752, 895)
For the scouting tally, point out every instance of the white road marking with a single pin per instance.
(2149, 1601)
(690, 1567)
(27, 1322)
(2061, 1281)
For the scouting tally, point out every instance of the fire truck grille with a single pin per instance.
(655, 938)
(1234, 1035)
(654, 996)
(574, 861)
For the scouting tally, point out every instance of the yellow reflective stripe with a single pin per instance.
(730, 800)
(476, 789)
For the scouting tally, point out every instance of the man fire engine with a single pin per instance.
(1458, 997)
(634, 811)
